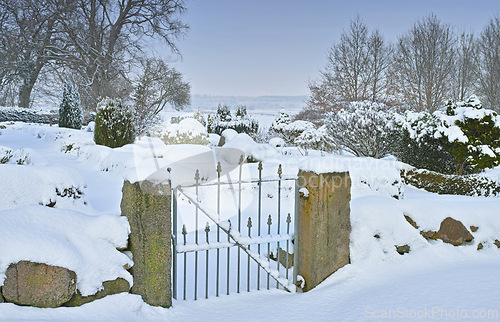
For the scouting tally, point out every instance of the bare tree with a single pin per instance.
(27, 40)
(347, 68)
(380, 55)
(465, 68)
(356, 69)
(424, 64)
(158, 86)
(105, 36)
(488, 61)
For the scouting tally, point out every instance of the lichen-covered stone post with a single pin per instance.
(147, 207)
(323, 225)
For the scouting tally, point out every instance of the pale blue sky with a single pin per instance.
(273, 47)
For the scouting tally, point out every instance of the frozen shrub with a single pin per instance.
(294, 129)
(114, 124)
(282, 120)
(218, 122)
(70, 110)
(199, 117)
(414, 142)
(241, 123)
(472, 135)
(315, 139)
(19, 157)
(196, 115)
(361, 128)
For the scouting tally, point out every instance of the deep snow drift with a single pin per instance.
(435, 280)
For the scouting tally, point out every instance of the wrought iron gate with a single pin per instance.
(230, 237)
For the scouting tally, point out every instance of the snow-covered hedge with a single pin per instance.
(470, 185)
(48, 186)
(18, 114)
(187, 131)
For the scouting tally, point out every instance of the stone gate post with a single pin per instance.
(323, 225)
(147, 207)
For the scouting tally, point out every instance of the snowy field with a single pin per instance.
(434, 281)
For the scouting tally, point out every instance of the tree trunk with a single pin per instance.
(25, 95)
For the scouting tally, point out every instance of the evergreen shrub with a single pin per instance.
(70, 110)
(114, 124)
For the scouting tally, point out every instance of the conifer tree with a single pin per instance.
(70, 110)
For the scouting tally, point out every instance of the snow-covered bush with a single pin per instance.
(414, 142)
(199, 117)
(19, 157)
(315, 139)
(361, 128)
(227, 135)
(114, 124)
(188, 131)
(241, 123)
(70, 110)
(294, 129)
(472, 134)
(283, 119)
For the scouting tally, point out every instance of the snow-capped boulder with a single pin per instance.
(38, 284)
(454, 232)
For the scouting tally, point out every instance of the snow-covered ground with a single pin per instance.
(434, 281)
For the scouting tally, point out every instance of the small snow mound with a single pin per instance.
(229, 134)
(55, 186)
(191, 126)
(214, 139)
(251, 149)
(90, 127)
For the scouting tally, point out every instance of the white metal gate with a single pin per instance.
(230, 237)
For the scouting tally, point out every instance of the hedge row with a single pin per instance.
(27, 116)
(469, 185)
